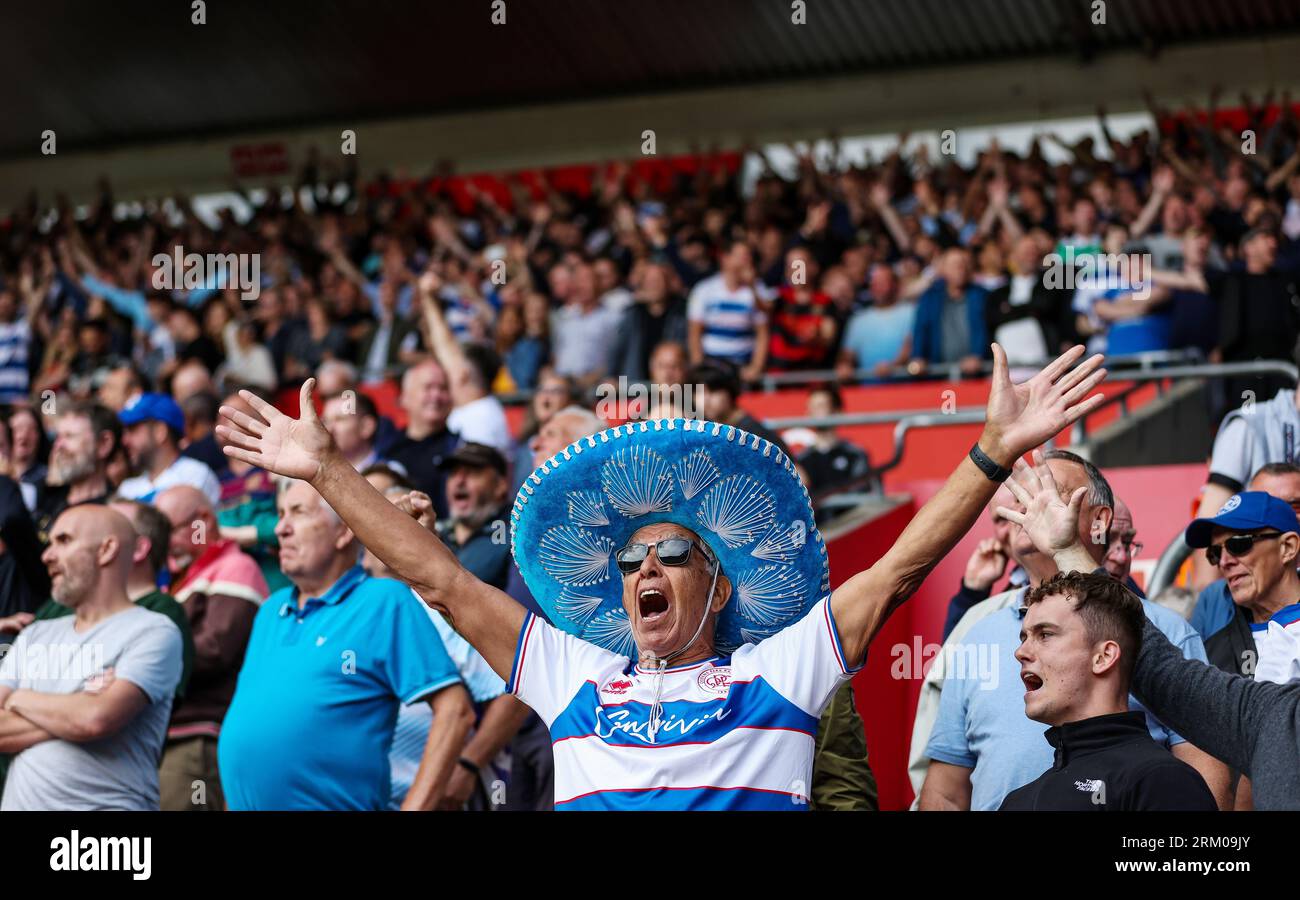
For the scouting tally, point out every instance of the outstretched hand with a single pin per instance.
(1021, 417)
(1050, 520)
(296, 448)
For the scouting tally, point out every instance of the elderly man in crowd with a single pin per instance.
(220, 588)
(329, 661)
(88, 726)
(426, 399)
(659, 634)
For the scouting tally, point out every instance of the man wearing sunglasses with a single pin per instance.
(689, 685)
(1254, 543)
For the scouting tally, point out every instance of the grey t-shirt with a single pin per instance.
(116, 772)
(1267, 431)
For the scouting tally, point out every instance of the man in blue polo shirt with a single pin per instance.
(329, 662)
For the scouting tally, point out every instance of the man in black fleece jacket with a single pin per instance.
(1253, 726)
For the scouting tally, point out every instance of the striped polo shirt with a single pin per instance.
(735, 733)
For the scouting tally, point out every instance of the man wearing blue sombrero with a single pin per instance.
(695, 639)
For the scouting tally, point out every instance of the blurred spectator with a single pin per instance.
(726, 315)
(86, 437)
(950, 325)
(29, 448)
(246, 512)
(554, 392)
(15, 345)
(220, 588)
(247, 360)
(669, 395)
(717, 388)
(24, 583)
(121, 385)
(832, 463)
(1259, 310)
(583, 330)
(152, 427)
(200, 442)
(524, 340)
(1025, 315)
(658, 315)
(191, 378)
(802, 322)
(476, 414)
(476, 529)
(353, 421)
(426, 399)
(89, 742)
(332, 691)
(878, 338)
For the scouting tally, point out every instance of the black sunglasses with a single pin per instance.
(1237, 545)
(674, 551)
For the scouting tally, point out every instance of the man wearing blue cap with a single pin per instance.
(1254, 542)
(152, 425)
(696, 640)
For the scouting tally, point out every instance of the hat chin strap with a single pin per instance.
(661, 662)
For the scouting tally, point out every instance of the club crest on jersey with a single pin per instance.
(617, 686)
(715, 680)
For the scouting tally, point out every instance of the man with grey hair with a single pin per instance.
(88, 725)
(329, 661)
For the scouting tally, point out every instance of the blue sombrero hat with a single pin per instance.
(737, 491)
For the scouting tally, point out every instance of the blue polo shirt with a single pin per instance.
(982, 723)
(311, 722)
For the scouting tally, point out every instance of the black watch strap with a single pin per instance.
(469, 764)
(992, 471)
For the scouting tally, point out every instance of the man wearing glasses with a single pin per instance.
(1214, 607)
(1124, 547)
(1254, 542)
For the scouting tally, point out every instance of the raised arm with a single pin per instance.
(302, 448)
(447, 350)
(1018, 418)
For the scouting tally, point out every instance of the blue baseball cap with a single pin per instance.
(1245, 512)
(153, 407)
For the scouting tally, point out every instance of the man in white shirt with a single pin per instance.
(725, 315)
(152, 425)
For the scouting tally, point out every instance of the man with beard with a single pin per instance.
(476, 500)
(87, 726)
(85, 438)
(220, 588)
(152, 426)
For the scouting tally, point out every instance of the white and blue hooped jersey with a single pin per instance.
(735, 732)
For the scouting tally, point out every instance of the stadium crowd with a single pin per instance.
(118, 505)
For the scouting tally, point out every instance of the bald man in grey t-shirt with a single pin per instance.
(118, 771)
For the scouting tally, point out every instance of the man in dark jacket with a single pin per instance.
(1079, 643)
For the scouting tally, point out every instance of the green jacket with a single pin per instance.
(842, 780)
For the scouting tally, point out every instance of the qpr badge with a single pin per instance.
(715, 680)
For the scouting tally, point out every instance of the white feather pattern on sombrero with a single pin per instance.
(737, 491)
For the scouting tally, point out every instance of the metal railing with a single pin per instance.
(953, 371)
(872, 483)
(1167, 566)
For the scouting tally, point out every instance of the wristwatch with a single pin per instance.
(992, 471)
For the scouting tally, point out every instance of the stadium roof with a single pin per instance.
(134, 72)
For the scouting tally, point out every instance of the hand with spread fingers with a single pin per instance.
(296, 448)
(1050, 520)
(1021, 417)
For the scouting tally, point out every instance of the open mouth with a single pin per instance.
(1032, 681)
(651, 604)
